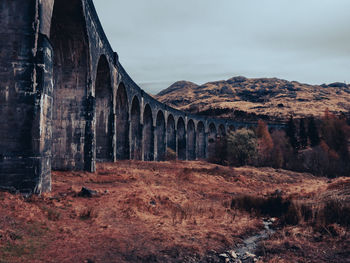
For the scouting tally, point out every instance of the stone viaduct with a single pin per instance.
(66, 102)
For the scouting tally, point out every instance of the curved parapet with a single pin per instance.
(67, 102)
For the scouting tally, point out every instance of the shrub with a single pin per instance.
(88, 213)
(291, 134)
(52, 214)
(273, 205)
(313, 133)
(265, 144)
(218, 151)
(336, 134)
(302, 134)
(241, 147)
(293, 212)
(170, 154)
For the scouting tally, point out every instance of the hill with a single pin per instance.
(178, 212)
(272, 97)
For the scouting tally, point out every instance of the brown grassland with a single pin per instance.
(276, 98)
(177, 212)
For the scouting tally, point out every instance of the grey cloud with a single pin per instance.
(162, 41)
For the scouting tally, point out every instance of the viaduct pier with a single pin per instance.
(66, 102)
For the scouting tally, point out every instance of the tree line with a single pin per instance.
(318, 146)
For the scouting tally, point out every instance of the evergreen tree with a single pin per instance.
(302, 134)
(291, 133)
(313, 134)
(242, 147)
(335, 133)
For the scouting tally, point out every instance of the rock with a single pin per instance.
(86, 192)
(338, 85)
(278, 192)
(238, 79)
(223, 255)
(273, 219)
(250, 255)
(233, 254)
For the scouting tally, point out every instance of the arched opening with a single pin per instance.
(148, 135)
(122, 124)
(160, 136)
(212, 133)
(212, 136)
(222, 131)
(104, 112)
(201, 141)
(191, 140)
(231, 128)
(181, 139)
(136, 133)
(72, 112)
(170, 133)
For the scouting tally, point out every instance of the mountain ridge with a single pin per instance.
(273, 97)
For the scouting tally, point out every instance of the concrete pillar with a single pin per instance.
(160, 137)
(191, 140)
(122, 128)
(181, 140)
(25, 100)
(201, 141)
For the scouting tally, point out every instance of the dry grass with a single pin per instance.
(267, 96)
(148, 212)
(307, 244)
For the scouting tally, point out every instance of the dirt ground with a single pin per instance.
(154, 212)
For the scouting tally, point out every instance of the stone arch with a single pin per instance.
(148, 134)
(104, 111)
(171, 133)
(222, 131)
(231, 128)
(122, 124)
(191, 140)
(136, 131)
(160, 136)
(212, 133)
(181, 139)
(212, 136)
(72, 112)
(201, 142)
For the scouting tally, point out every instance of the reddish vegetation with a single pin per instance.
(152, 212)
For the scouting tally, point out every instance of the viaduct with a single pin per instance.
(66, 102)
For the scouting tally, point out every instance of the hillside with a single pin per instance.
(177, 212)
(272, 97)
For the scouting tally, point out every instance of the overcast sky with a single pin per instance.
(163, 41)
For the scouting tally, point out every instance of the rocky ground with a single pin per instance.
(173, 212)
(273, 97)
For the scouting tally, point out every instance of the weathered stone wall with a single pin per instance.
(104, 112)
(24, 98)
(66, 101)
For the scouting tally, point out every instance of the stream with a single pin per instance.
(244, 252)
